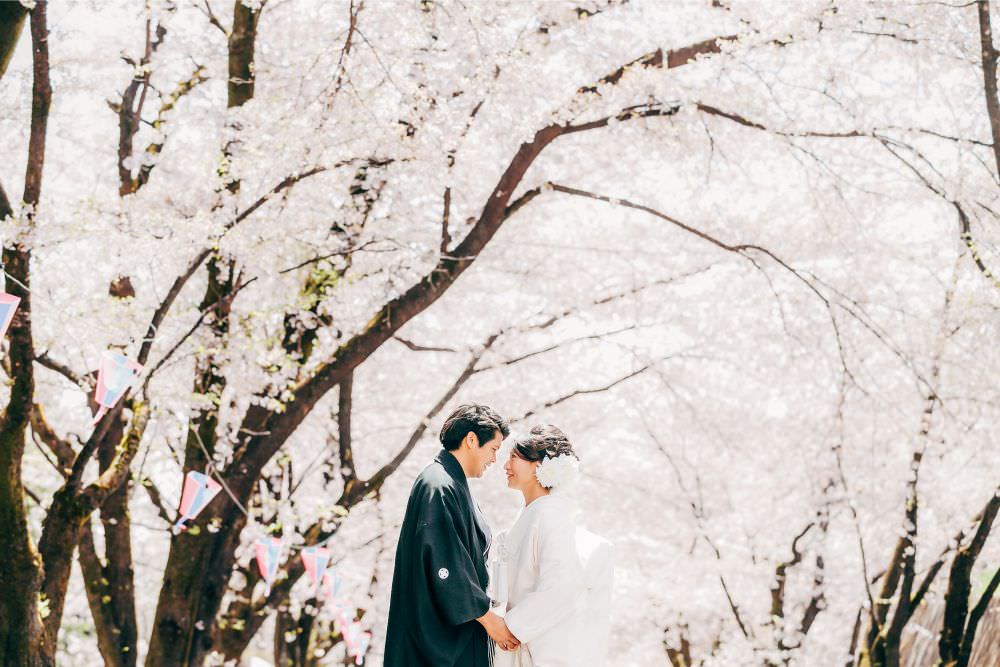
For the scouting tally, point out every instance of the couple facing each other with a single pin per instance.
(537, 595)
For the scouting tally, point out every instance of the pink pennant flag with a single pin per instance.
(331, 584)
(8, 306)
(115, 375)
(199, 489)
(342, 615)
(315, 560)
(351, 633)
(268, 551)
(357, 641)
(361, 647)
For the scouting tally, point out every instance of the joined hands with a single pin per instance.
(497, 629)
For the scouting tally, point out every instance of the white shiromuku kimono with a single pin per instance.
(552, 584)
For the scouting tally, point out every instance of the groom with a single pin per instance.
(439, 613)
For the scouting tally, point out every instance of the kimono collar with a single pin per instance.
(452, 466)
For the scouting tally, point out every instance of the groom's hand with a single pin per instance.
(497, 629)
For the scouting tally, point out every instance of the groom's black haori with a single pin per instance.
(440, 577)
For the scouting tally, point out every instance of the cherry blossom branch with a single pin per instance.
(292, 179)
(989, 63)
(743, 249)
(130, 112)
(250, 613)
(586, 392)
(156, 147)
(964, 222)
(656, 59)
(398, 311)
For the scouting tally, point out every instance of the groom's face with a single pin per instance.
(485, 456)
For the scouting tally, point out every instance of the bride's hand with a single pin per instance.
(497, 629)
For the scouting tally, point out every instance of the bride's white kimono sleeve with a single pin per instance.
(553, 569)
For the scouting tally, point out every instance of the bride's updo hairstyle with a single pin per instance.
(544, 441)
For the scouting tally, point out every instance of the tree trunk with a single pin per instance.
(956, 610)
(61, 532)
(21, 633)
(293, 645)
(195, 579)
(110, 584)
(21, 570)
(200, 563)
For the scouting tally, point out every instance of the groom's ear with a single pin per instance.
(472, 439)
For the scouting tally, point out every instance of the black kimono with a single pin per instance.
(440, 578)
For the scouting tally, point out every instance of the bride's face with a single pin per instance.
(520, 473)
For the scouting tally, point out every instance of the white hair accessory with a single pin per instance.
(559, 472)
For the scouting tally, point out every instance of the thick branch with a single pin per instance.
(655, 59)
(97, 588)
(403, 308)
(344, 409)
(975, 616)
(62, 450)
(109, 584)
(94, 494)
(258, 449)
(780, 574)
(161, 311)
(130, 112)
(43, 359)
(41, 99)
(155, 147)
(953, 633)
(965, 232)
(988, 56)
(242, 40)
(445, 221)
(177, 636)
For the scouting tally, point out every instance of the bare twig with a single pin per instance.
(212, 18)
(43, 359)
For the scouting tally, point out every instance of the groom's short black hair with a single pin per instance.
(479, 419)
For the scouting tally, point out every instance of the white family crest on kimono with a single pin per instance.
(551, 580)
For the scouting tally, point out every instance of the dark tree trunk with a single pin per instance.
(21, 632)
(21, 572)
(956, 634)
(194, 582)
(110, 584)
(200, 562)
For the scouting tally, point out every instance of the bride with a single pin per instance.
(551, 580)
